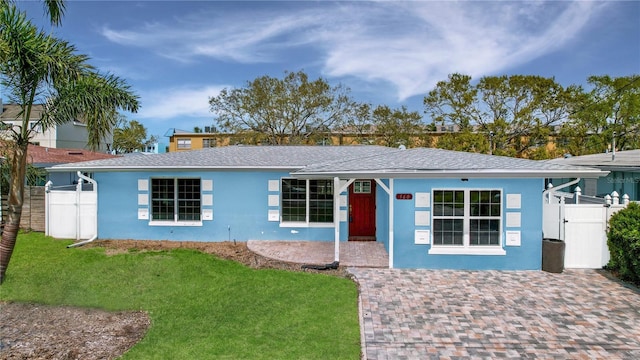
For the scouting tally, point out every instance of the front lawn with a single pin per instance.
(201, 307)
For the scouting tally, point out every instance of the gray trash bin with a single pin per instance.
(553, 255)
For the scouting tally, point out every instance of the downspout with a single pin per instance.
(336, 218)
(391, 220)
(47, 210)
(545, 194)
(95, 230)
(78, 214)
(547, 199)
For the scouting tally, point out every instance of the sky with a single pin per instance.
(178, 54)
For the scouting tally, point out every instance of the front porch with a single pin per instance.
(356, 254)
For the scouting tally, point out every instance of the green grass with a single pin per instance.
(201, 307)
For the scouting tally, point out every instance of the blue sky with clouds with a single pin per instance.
(177, 54)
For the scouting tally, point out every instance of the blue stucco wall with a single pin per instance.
(240, 210)
(621, 182)
(382, 215)
(527, 256)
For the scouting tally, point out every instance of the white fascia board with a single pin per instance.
(443, 174)
(169, 168)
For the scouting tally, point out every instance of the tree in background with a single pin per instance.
(130, 136)
(359, 123)
(39, 68)
(610, 110)
(292, 110)
(502, 115)
(453, 102)
(396, 127)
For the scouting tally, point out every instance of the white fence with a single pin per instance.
(71, 213)
(582, 225)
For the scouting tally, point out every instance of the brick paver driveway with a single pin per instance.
(421, 314)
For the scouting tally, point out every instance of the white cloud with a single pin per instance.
(410, 45)
(175, 103)
(435, 39)
(243, 38)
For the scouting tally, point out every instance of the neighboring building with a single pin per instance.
(431, 208)
(182, 140)
(156, 148)
(43, 157)
(623, 168)
(71, 135)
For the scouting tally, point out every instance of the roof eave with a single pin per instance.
(444, 174)
(169, 168)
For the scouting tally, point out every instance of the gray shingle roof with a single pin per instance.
(329, 161)
(444, 163)
(231, 157)
(624, 160)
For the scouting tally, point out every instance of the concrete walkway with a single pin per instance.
(434, 314)
(357, 254)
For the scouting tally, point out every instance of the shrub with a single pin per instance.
(623, 239)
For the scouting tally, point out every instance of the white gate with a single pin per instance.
(71, 214)
(583, 227)
(585, 235)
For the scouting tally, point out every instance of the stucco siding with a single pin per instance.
(526, 256)
(240, 209)
(621, 182)
(241, 212)
(382, 215)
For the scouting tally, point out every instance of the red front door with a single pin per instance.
(362, 210)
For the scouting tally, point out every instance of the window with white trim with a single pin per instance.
(362, 186)
(467, 218)
(307, 201)
(209, 143)
(175, 200)
(184, 144)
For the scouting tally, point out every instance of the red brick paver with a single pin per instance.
(423, 314)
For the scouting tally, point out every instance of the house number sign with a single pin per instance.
(404, 196)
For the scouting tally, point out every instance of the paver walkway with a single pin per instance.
(353, 253)
(423, 314)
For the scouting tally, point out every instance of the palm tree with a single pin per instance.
(54, 8)
(39, 68)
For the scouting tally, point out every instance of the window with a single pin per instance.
(35, 126)
(208, 143)
(184, 143)
(307, 201)
(448, 217)
(362, 186)
(294, 200)
(321, 201)
(175, 199)
(467, 219)
(484, 218)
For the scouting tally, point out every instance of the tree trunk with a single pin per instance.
(18, 166)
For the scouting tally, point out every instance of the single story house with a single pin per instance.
(431, 208)
(623, 177)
